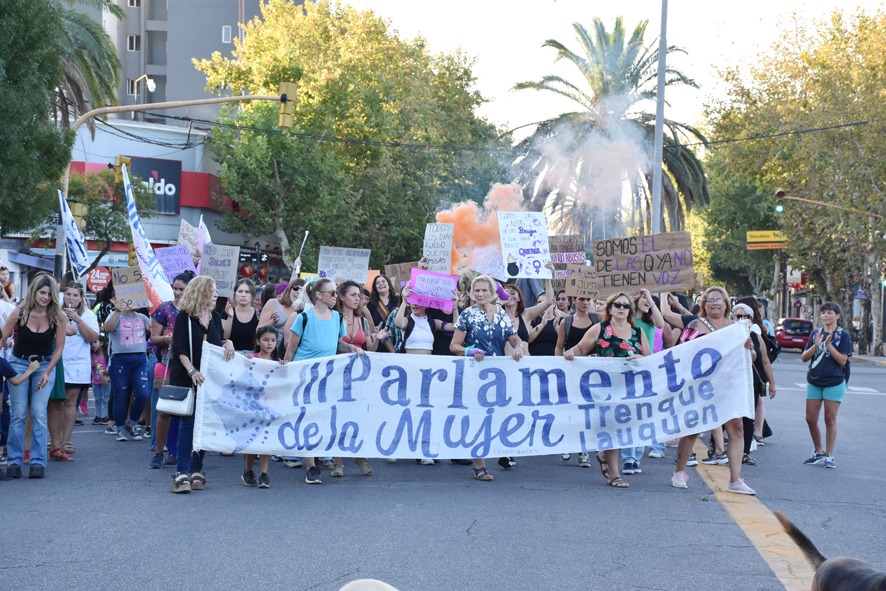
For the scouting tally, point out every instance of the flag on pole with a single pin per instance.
(207, 239)
(73, 237)
(158, 287)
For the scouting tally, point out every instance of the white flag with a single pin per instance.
(74, 238)
(159, 290)
(207, 239)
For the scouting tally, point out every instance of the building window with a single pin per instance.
(130, 86)
(226, 34)
(133, 43)
(135, 3)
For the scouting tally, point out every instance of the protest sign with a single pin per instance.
(580, 281)
(660, 262)
(399, 272)
(423, 406)
(438, 247)
(370, 279)
(487, 261)
(344, 263)
(129, 288)
(190, 236)
(175, 260)
(524, 244)
(221, 262)
(432, 290)
(564, 250)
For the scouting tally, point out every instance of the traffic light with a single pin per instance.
(287, 104)
(779, 202)
(133, 258)
(779, 207)
(118, 172)
(79, 211)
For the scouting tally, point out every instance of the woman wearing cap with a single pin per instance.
(747, 310)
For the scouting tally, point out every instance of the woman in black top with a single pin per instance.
(543, 335)
(382, 301)
(242, 321)
(198, 320)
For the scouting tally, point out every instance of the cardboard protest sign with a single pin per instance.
(524, 244)
(129, 288)
(190, 236)
(660, 262)
(438, 247)
(565, 250)
(399, 272)
(344, 263)
(175, 260)
(580, 281)
(221, 262)
(487, 261)
(370, 279)
(432, 290)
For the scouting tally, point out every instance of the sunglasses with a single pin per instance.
(717, 301)
(621, 306)
(741, 316)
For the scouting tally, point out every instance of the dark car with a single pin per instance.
(792, 333)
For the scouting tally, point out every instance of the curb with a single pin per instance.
(876, 361)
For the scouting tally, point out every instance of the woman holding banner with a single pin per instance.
(714, 310)
(483, 329)
(199, 322)
(616, 336)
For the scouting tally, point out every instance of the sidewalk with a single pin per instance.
(869, 360)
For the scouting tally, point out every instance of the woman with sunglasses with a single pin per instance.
(713, 314)
(616, 336)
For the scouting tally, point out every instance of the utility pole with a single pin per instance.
(658, 149)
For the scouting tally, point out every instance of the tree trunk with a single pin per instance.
(877, 306)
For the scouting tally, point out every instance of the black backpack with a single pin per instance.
(568, 321)
(772, 347)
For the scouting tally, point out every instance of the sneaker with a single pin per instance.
(815, 458)
(147, 431)
(565, 457)
(157, 461)
(427, 462)
(325, 464)
(715, 459)
(680, 480)
(627, 468)
(829, 462)
(506, 462)
(78, 422)
(693, 461)
(37, 471)
(14, 471)
(264, 481)
(135, 433)
(102, 420)
(248, 478)
(2, 460)
(656, 455)
(293, 463)
(171, 460)
(123, 434)
(313, 476)
(584, 460)
(111, 430)
(84, 408)
(97, 421)
(180, 483)
(740, 488)
(637, 469)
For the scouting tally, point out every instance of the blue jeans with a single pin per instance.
(187, 461)
(100, 393)
(18, 401)
(657, 447)
(632, 454)
(4, 415)
(129, 370)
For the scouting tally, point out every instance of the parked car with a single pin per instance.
(792, 333)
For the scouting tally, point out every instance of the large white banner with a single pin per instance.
(411, 406)
(158, 288)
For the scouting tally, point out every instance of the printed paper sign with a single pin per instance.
(221, 263)
(438, 247)
(660, 262)
(175, 260)
(344, 263)
(580, 281)
(191, 237)
(379, 405)
(400, 272)
(565, 250)
(487, 260)
(432, 290)
(129, 287)
(524, 244)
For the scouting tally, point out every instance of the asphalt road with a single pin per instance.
(105, 521)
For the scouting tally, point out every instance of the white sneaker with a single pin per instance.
(740, 488)
(427, 462)
(680, 480)
(565, 457)
(584, 460)
(655, 455)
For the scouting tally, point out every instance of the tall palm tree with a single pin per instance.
(92, 68)
(583, 163)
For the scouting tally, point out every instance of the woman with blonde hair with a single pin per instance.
(39, 326)
(196, 322)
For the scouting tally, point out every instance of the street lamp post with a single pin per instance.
(151, 85)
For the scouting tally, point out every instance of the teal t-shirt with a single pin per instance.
(319, 338)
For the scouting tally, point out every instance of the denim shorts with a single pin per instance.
(832, 393)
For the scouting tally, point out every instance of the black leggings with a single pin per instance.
(749, 423)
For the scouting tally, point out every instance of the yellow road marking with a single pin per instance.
(760, 526)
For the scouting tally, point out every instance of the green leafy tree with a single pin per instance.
(576, 164)
(34, 150)
(338, 173)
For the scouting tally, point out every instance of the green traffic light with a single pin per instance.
(779, 208)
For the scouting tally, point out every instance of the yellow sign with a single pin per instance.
(766, 245)
(766, 236)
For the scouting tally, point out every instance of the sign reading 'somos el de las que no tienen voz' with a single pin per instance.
(659, 262)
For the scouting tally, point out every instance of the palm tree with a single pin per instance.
(92, 68)
(580, 165)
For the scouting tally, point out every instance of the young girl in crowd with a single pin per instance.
(101, 380)
(265, 348)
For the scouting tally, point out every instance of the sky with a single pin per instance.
(506, 37)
